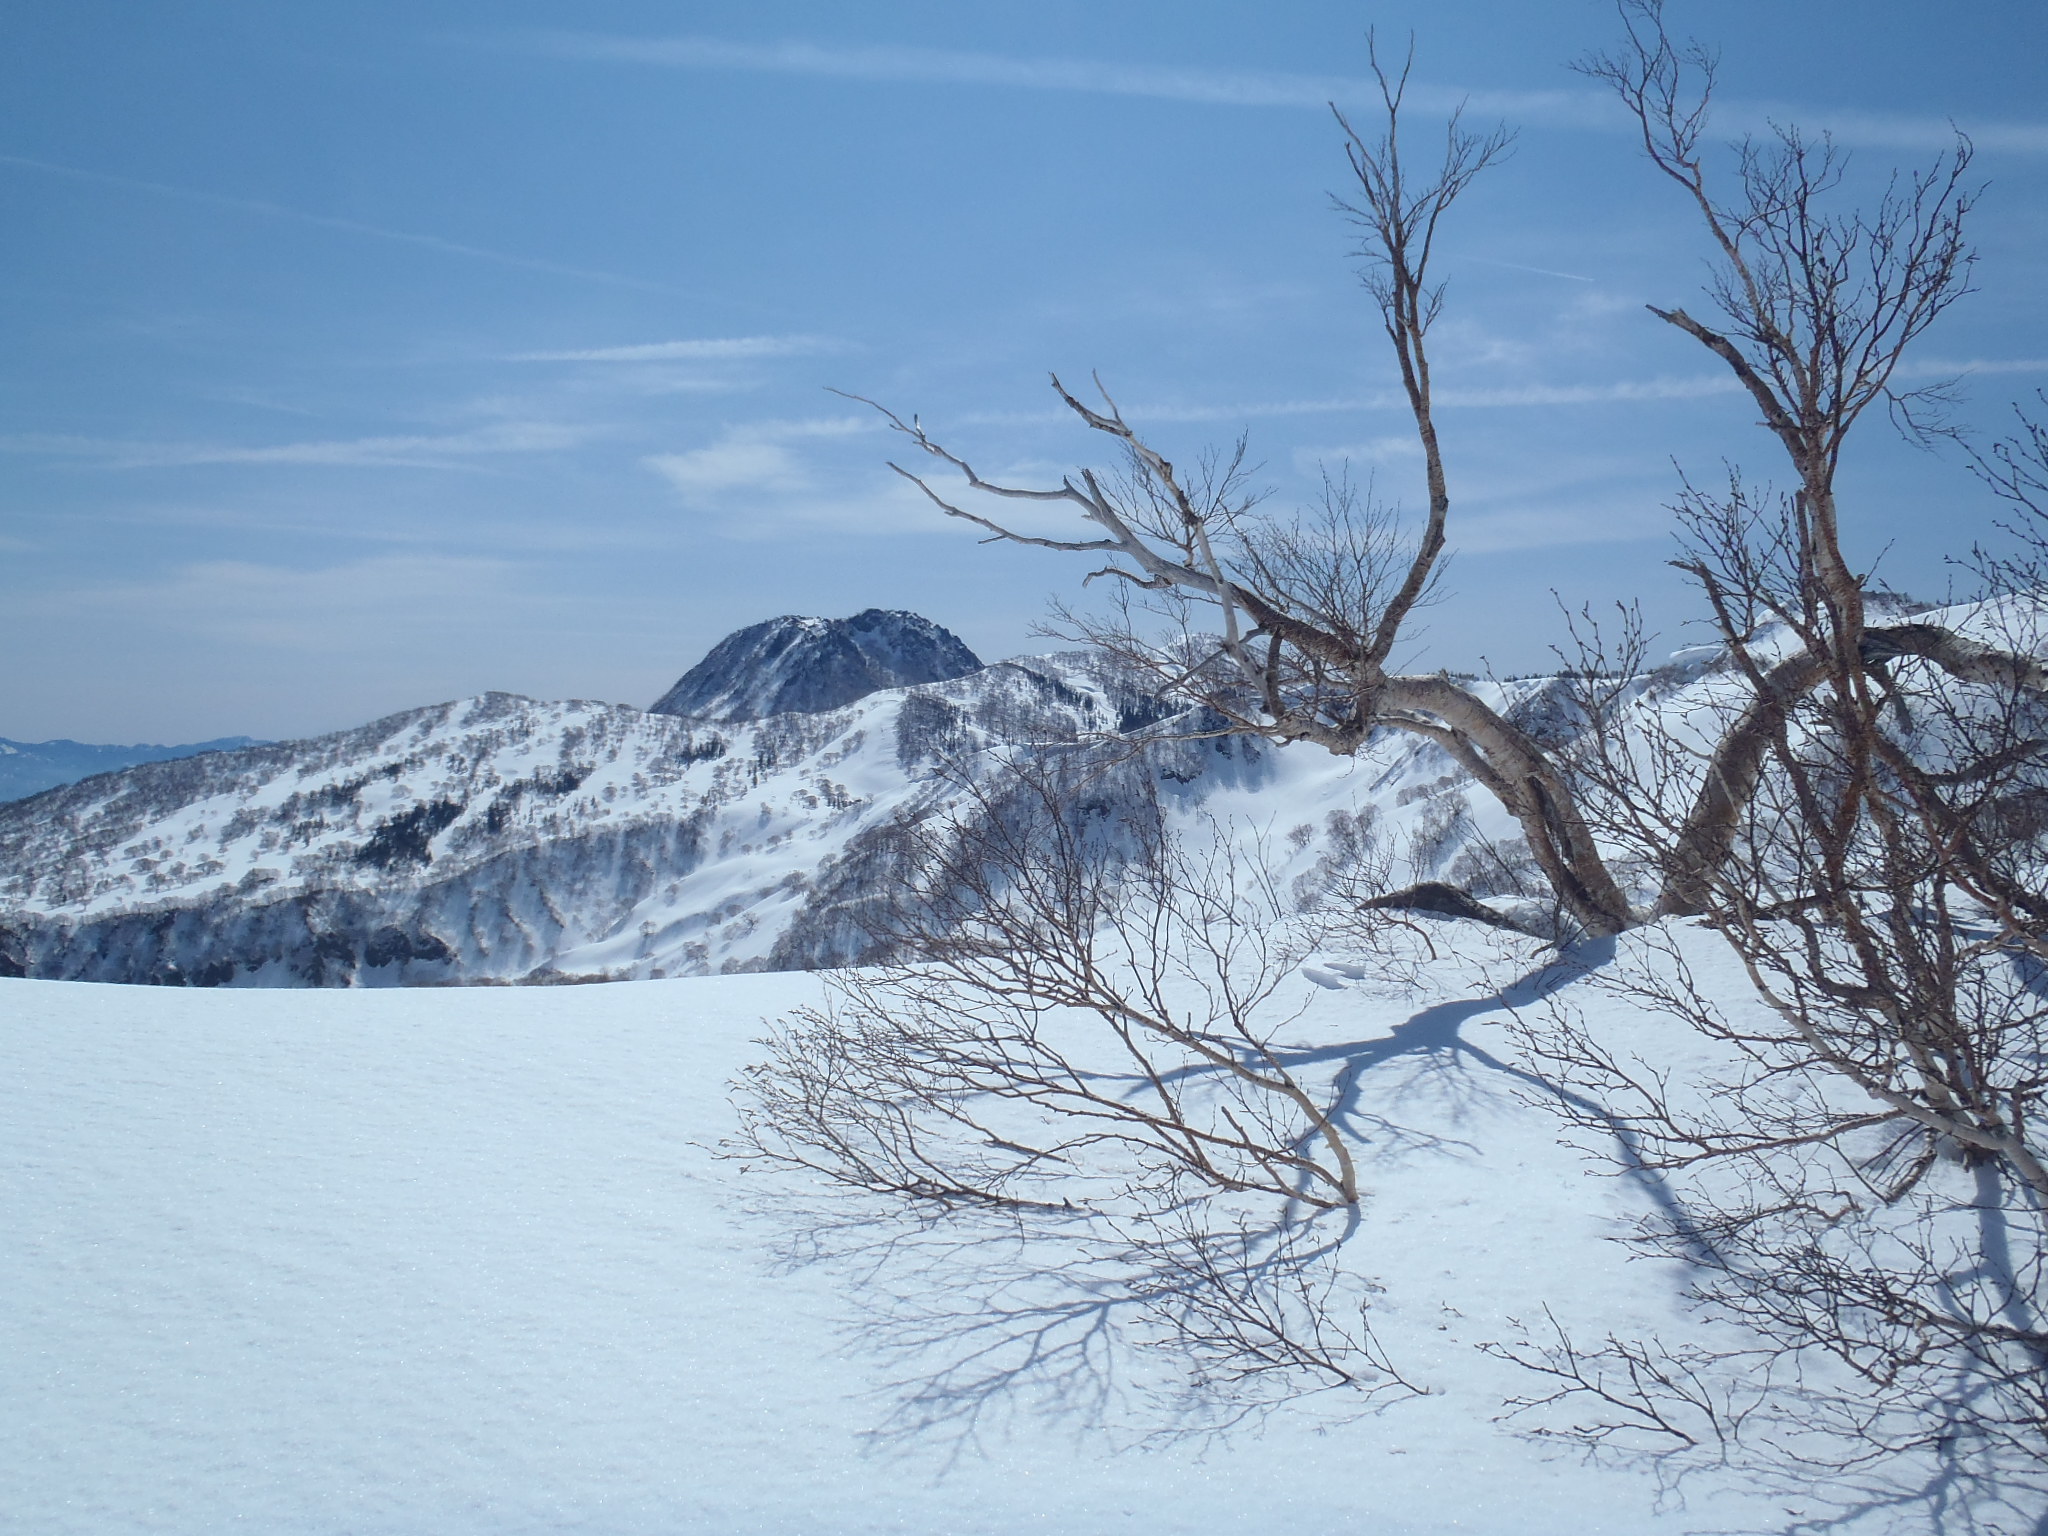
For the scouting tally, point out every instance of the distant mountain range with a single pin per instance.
(29, 767)
(742, 825)
(789, 665)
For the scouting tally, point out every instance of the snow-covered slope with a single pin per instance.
(497, 837)
(502, 838)
(462, 1262)
(802, 665)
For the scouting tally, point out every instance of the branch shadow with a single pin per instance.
(1434, 1037)
(984, 1318)
(982, 1321)
(1962, 1492)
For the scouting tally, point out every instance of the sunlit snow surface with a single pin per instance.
(462, 1261)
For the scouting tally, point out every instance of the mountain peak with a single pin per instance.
(798, 665)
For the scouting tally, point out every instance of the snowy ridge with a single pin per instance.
(30, 767)
(499, 837)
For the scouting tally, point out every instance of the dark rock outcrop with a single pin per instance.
(797, 665)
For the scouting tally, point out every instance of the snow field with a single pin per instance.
(459, 1260)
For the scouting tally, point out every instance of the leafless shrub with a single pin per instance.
(1855, 1162)
(1852, 1156)
(1083, 1032)
(1076, 990)
(1641, 1394)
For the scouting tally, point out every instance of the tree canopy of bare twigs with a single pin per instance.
(1075, 994)
(1289, 626)
(1860, 1164)
(1086, 1022)
(1863, 1171)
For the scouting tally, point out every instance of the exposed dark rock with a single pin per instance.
(806, 666)
(1446, 901)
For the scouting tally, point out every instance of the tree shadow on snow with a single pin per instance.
(1953, 1491)
(1433, 1040)
(988, 1323)
(1076, 1324)
(1182, 1328)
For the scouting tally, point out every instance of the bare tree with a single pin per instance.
(1858, 810)
(1074, 991)
(1861, 1174)
(1857, 807)
(1289, 627)
(1816, 311)
(1289, 630)
(1084, 1022)
(1858, 1178)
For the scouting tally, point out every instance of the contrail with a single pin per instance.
(328, 221)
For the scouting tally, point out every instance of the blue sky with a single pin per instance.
(361, 356)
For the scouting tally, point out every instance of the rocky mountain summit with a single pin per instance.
(805, 666)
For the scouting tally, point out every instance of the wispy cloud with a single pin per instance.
(780, 478)
(1880, 130)
(401, 597)
(1235, 88)
(1516, 266)
(446, 451)
(1619, 392)
(1616, 392)
(327, 221)
(1509, 530)
(732, 465)
(1394, 449)
(1940, 367)
(753, 457)
(708, 349)
(783, 428)
(1246, 88)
